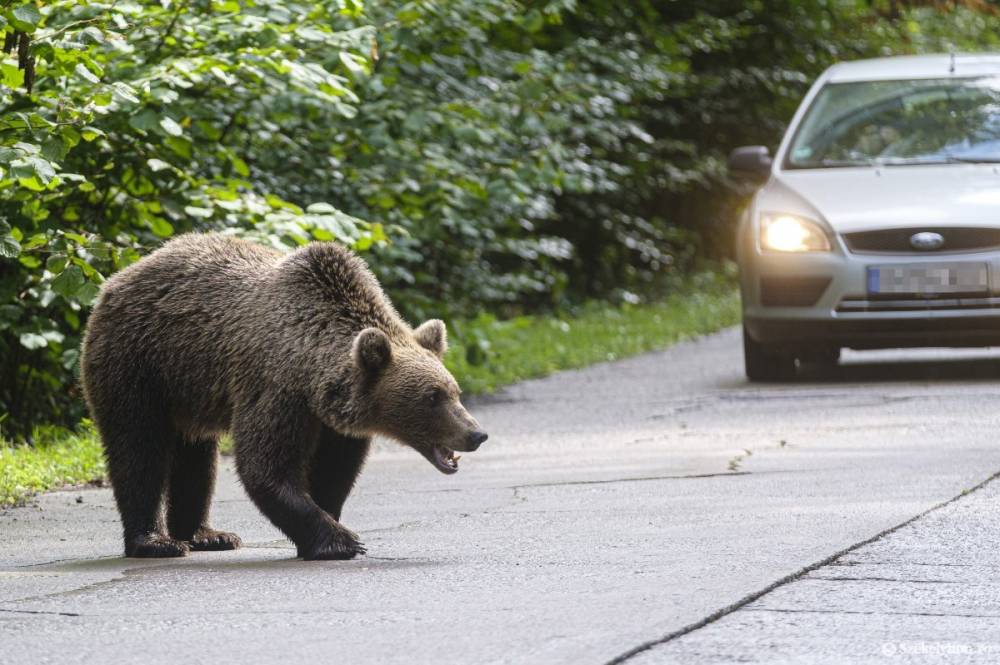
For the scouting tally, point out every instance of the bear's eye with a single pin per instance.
(435, 397)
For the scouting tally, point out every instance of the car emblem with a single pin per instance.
(926, 240)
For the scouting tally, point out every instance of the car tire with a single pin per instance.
(764, 364)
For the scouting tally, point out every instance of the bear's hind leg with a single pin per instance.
(192, 479)
(138, 464)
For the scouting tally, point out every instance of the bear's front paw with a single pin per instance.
(210, 540)
(156, 546)
(337, 545)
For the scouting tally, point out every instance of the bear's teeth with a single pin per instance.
(455, 458)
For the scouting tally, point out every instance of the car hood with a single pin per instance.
(853, 199)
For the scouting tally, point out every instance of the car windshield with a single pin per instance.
(887, 123)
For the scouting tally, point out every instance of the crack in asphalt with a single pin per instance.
(788, 579)
(881, 579)
(912, 563)
(636, 479)
(737, 461)
(51, 613)
(67, 560)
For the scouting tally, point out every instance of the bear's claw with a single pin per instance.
(156, 546)
(339, 545)
(210, 540)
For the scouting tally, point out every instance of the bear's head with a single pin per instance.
(412, 397)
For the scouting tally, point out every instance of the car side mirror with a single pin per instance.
(751, 162)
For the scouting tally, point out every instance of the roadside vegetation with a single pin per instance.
(526, 347)
(61, 457)
(547, 176)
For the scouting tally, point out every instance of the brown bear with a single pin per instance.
(300, 356)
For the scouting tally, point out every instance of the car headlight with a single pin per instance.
(791, 233)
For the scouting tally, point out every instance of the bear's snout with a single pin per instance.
(476, 439)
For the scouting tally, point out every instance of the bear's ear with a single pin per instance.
(371, 349)
(432, 336)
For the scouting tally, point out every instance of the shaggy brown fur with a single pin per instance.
(300, 356)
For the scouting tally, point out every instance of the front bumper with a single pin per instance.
(875, 333)
(805, 301)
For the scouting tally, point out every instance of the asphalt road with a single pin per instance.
(655, 510)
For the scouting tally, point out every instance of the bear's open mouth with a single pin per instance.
(444, 459)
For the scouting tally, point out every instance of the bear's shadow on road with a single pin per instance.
(966, 369)
(248, 559)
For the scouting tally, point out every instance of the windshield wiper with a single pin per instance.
(907, 161)
(878, 162)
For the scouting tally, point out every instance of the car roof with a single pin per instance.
(905, 67)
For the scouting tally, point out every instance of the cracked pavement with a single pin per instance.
(654, 510)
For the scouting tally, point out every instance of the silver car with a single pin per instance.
(878, 221)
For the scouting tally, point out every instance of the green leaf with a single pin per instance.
(33, 167)
(82, 71)
(124, 92)
(161, 227)
(170, 126)
(88, 294)
(127, 257)
(321, 208)
(13, 76)
(25, 18)
(33, 341)
(69, 281)
(35, 241)
(10, 248)
(55, 148)
(30, 262)
(239, 166)
(56, 263)
(179, 145)
(54, 336)
(533, 21)
(196, 211)
(32, 182)
(145, 120)
(69, 359)
(90, 133)
(353, 65)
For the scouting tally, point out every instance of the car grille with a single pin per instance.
(937, 304)
(895, 241)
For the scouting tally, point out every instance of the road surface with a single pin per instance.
(654, 510)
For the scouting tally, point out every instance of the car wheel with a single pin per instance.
(764, 363)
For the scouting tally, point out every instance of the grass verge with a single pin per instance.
(60, 457)
(485, 354)
(488, 354)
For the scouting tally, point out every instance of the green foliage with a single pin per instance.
(61, 457)
(146, 120)
(505, 156)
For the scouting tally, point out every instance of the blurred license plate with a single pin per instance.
(929, 278)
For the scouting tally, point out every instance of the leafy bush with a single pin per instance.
(495, 156)
(144, 121)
